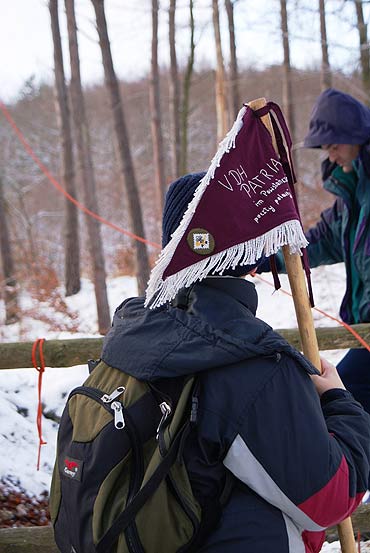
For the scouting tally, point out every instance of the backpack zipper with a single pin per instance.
(166, 411)
(119, 421)
(106, 401)
(107, 398)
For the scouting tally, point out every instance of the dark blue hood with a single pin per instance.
(212, 325)
(338, 118)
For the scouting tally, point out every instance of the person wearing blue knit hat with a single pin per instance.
(268, 464)
(340, 125)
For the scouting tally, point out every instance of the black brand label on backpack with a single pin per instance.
(72, 468)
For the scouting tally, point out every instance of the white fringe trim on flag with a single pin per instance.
(247, 253)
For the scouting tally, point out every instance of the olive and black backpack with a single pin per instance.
(120, 484)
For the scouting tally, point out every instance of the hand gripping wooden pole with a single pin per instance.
(306, 327)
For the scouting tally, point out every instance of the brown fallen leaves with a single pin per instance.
(19, 509)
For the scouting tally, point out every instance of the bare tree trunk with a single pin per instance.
(10, 283)
(186, 97)
(364, 48)
(155, 109)
(233, 70)
(221, 106)
(71, 232)
(87, 172)
(287, 78)
(127, 166)
(326, 77)
(174, 94)
(30, 251)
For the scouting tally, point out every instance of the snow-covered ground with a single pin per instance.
(18, 388)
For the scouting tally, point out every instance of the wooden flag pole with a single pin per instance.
(305, 323)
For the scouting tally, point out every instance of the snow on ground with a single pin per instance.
(277, 309)
(18, 388)
(82, 303)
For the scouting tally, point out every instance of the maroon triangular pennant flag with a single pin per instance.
(243, 208)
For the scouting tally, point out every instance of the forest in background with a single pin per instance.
(118, 162)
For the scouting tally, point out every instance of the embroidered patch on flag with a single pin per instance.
(201, 241)
(243, 208)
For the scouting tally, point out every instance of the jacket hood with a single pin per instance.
(211, 324)
(338, 118)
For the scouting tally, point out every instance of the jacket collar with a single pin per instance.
(239, 289)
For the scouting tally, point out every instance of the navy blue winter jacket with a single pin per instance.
(300, 466)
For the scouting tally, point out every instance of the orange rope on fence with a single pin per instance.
(347, 326)
(40, 367)
(342, 323)
(56, 184)
(80, 206)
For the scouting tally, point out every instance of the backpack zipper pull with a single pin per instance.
(166, 411)
(107, 398)
(119, 421)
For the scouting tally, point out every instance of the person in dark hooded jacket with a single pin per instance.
(296, 445)
(340, 125)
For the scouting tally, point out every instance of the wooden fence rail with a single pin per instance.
(68, 353)
(30, 539)
(39, 539)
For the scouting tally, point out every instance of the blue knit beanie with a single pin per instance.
(179, 195)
